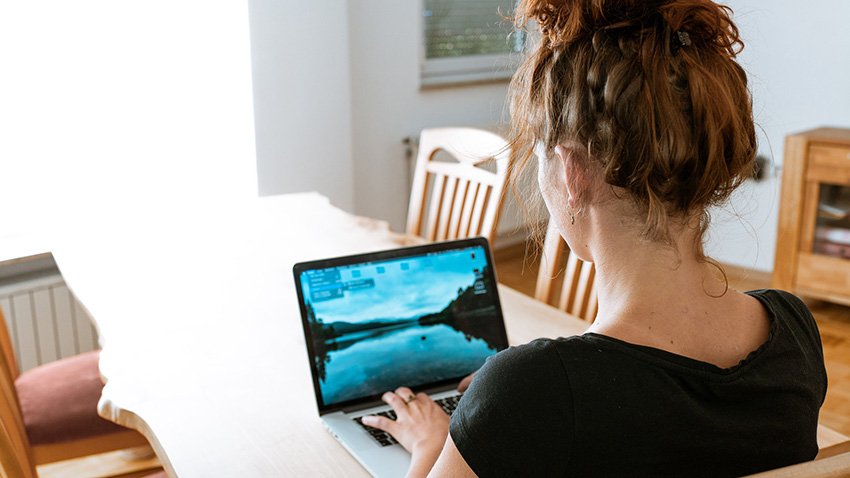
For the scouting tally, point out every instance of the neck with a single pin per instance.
(648, 284)
(667, 297)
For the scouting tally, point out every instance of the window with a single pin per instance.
(468, 41)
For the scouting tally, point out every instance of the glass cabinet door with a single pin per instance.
(832, 226)
(823, 258)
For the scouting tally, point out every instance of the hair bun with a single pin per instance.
(565, 21)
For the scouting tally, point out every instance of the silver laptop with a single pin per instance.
(422, 317)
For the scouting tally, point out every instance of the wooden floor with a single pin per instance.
(518, 270)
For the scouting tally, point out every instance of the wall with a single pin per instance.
(799, 69)
(302, 98)
(362, 85)
(387, 104)
(336, 90)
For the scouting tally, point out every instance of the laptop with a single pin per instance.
(422, 317)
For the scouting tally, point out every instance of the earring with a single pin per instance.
(573, 216)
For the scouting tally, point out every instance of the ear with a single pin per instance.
(575, 173)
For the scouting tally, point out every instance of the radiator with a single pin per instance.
(45, 321)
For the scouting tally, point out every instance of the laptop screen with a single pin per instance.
(419, 317)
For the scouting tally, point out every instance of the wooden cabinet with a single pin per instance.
(813, 241)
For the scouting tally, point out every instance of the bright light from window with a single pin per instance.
(119, 108)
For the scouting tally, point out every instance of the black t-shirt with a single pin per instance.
(593, 405)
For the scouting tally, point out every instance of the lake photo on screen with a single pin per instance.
(408, 321)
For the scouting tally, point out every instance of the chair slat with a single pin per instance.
(436, 206)
(475, 225)
(466, 214)
(460, 199)
(416, 211)
(449, 191)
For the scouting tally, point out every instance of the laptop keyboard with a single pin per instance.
(448, 405)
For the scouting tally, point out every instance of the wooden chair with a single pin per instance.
(833, 459)
(832, 467)
(577, 288)
(16, 455)
(49, 413)
(831, 442)
(457, 199)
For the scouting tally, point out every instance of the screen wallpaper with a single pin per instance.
(407, 321)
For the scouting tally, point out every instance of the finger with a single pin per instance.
(464, 384)
(404, 392)
(393, 400)
(382, 423)
(407, 396)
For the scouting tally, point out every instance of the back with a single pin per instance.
(618, 409)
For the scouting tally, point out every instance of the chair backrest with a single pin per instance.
(16, 456)
(577, 287)
(455, 200)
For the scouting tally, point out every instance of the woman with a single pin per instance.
(641, 120)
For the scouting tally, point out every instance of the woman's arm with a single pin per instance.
(422, 428)
(450, 463)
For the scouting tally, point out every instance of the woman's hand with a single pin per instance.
(464, 384)
(421, 427)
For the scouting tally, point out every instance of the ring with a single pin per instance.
(409, 399)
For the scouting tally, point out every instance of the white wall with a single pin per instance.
(389, 106)
(302, 98)
(798, 59)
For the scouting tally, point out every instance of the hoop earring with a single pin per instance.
(573, 216)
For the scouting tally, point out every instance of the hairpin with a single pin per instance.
(681, 39)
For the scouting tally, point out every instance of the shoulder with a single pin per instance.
(516, 375)
(538, 355)
(539, 358)
(784, 300)
(789, 311)
(794, 330)
(517, 413)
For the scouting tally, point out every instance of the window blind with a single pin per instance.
(468, 40)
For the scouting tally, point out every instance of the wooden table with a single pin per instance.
(203, 350)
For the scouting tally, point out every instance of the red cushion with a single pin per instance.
(59, 400)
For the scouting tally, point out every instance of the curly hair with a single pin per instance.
(650, 90)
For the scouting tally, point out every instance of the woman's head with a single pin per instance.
(648, 93)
